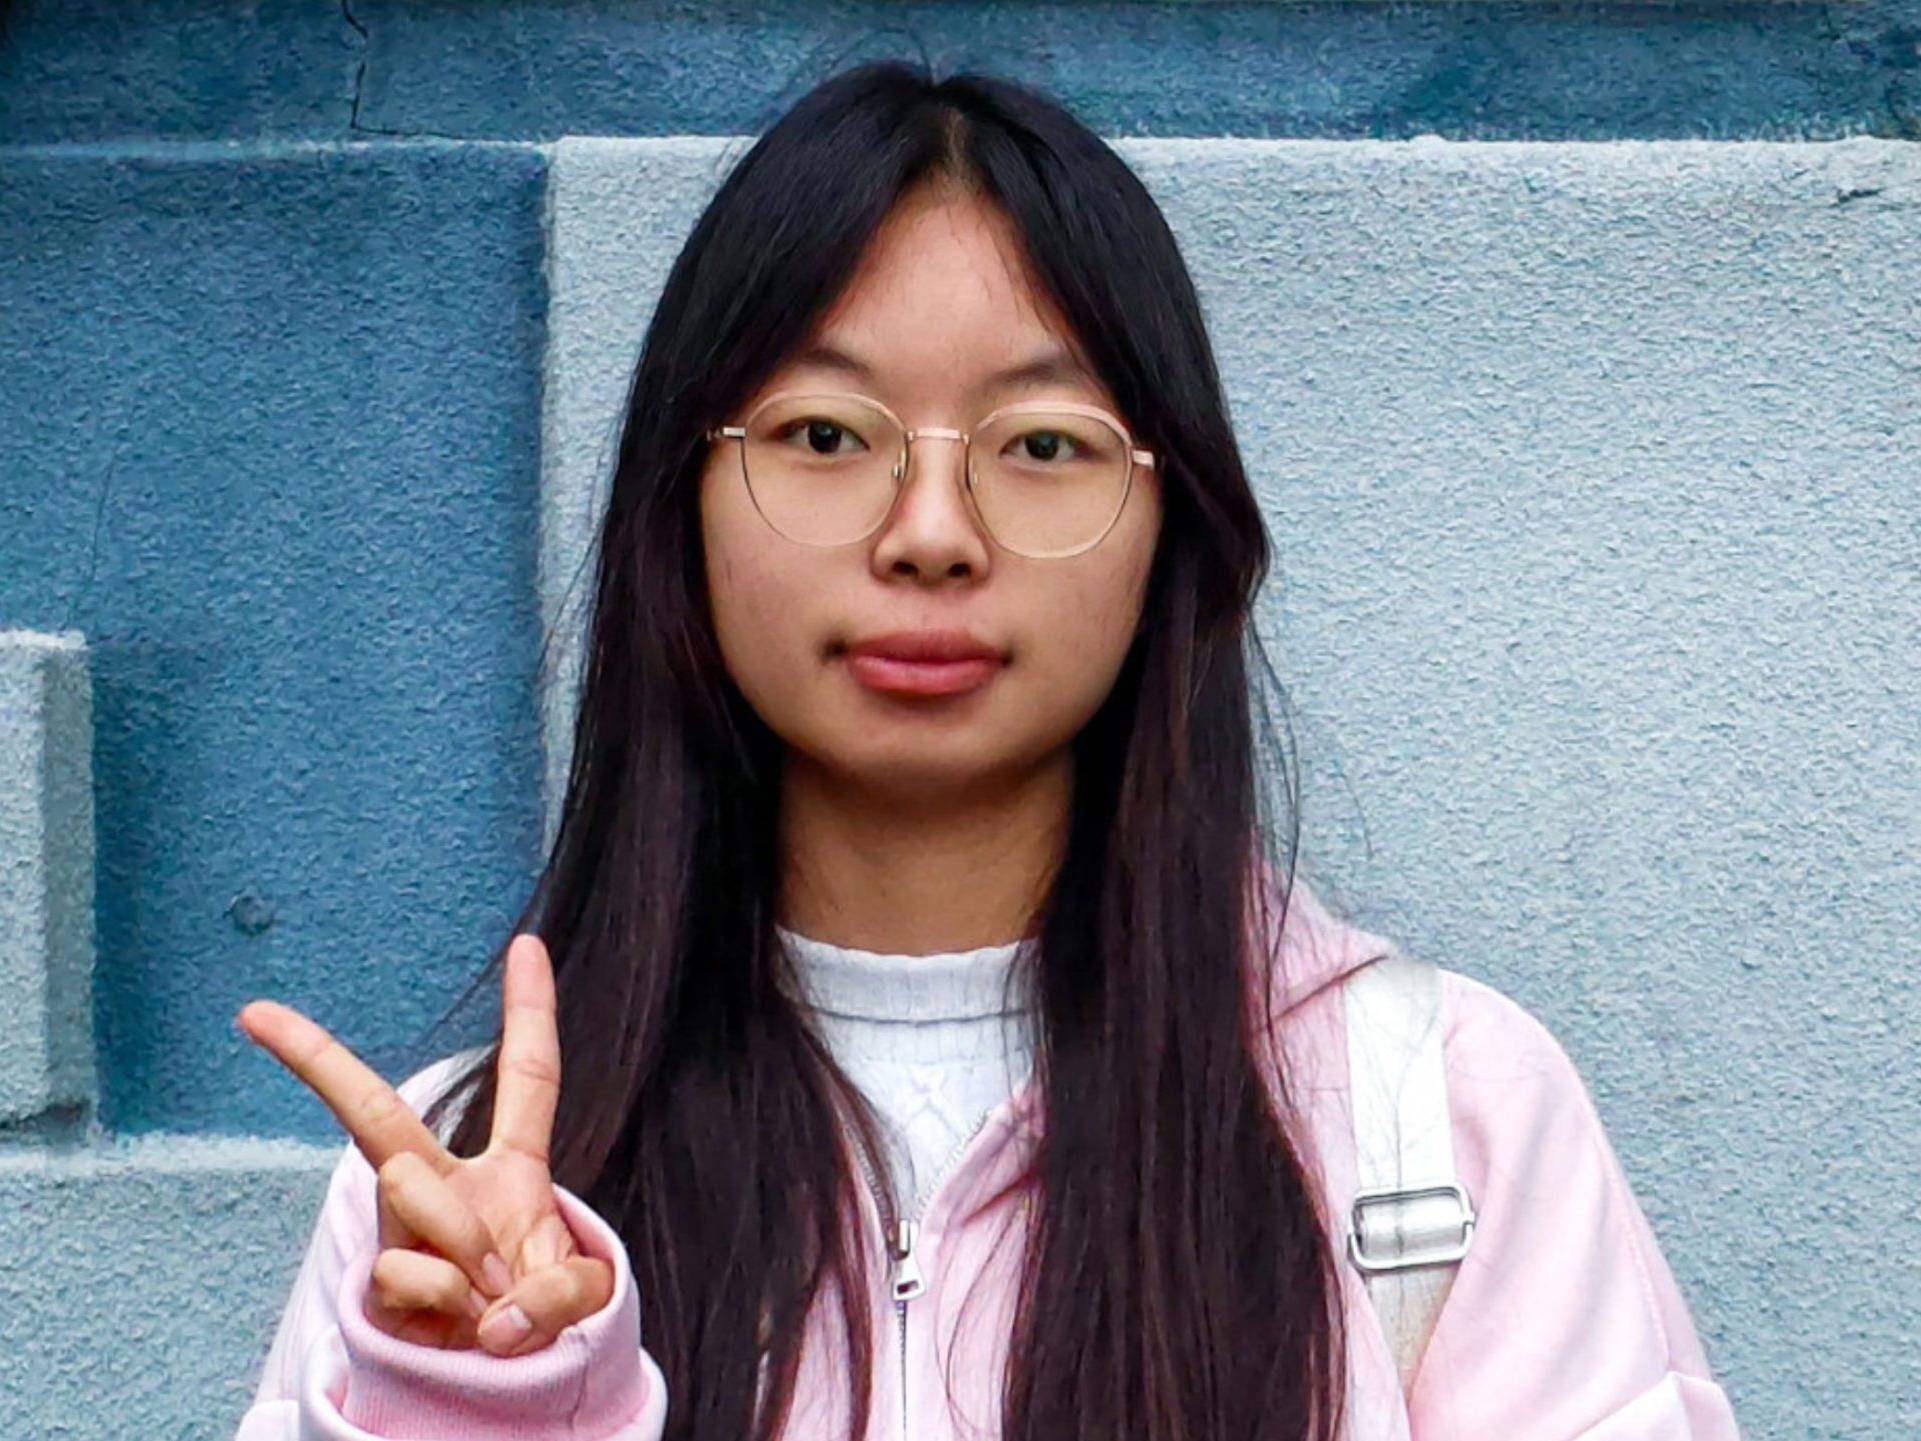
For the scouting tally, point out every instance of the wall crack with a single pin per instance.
(360, 84)
(360, 65)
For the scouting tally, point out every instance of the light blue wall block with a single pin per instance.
(617, 213)
(1592, 472)
(144, 1279)
(46, 875)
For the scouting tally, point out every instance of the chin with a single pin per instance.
(916, 763)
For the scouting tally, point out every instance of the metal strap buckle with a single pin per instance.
(1410, 1255)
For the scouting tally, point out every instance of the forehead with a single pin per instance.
(944, 300)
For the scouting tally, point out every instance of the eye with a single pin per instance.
(822, 436)
(1042, 445)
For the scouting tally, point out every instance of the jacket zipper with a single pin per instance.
(899, 1236)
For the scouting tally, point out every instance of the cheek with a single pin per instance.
(1106, 600)
(1089, 620)
(1093, 624)
(755, 605)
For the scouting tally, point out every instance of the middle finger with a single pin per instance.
(528, 1089)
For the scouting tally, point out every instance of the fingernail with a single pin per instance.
(504, 1328)
(498, 1278)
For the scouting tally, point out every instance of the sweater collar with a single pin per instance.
(882, 985)
(1316, 948)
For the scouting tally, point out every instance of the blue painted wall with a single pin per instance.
(1522, 69)
(274, 310)
(270, 439)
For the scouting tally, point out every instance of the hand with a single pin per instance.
(469, 1248)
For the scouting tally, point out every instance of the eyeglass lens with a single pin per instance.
(821, 469)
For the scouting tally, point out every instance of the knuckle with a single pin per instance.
(578, 1289)
(377, 1107)
(388, 1274)
(597, 1284)
(594, 1288)
(314, 1041)
(533, 1068)
(570, 1292)
(536, 1152)
(451, 1293)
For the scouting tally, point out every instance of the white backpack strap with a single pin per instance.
(1411, 1219)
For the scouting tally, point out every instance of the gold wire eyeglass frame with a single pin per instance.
(1135, 456)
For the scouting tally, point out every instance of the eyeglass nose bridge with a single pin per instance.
(898, 472)
(933, 432)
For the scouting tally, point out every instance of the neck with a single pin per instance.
(919, 873)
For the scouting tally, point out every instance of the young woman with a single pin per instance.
(912, 1033)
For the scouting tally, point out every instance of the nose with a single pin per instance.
(932, 533)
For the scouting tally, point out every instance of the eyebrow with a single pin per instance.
(1052, 364)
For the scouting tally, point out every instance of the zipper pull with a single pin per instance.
(908, 1282)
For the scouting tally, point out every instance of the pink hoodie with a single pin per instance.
(1563, 1323)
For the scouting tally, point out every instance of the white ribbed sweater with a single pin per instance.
(928, 1038)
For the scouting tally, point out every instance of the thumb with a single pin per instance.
(544, 1303)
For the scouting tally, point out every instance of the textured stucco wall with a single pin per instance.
(47, 1069)
(1592, 470)
(270, 441)
(143, 1279)
(1524, 69)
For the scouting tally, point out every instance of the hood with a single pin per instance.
(1315, 947)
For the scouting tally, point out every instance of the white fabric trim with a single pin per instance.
(1403, 1139)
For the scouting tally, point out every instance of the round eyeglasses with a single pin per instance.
(1045, 478)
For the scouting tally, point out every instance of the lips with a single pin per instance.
(929, 645)
(924, 662)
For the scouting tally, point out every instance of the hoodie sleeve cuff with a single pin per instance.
(593, 1383)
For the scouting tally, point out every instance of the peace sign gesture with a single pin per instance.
(471, 1250)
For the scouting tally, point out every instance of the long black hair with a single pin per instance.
(1177, 1285)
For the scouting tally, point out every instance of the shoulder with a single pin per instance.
(1511, 1081)
(1519, 1106)
(1564, 1262)
(1515, 1098)
(1535, 1155)
(1524, 1125)
(1488, 1032)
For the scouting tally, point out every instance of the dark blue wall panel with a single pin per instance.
(1540, 69)
(270, 439)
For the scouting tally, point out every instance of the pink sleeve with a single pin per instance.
(330, 1373)
(592, 1383)
(1564, 1322)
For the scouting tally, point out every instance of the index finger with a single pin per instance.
(376, 1116)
